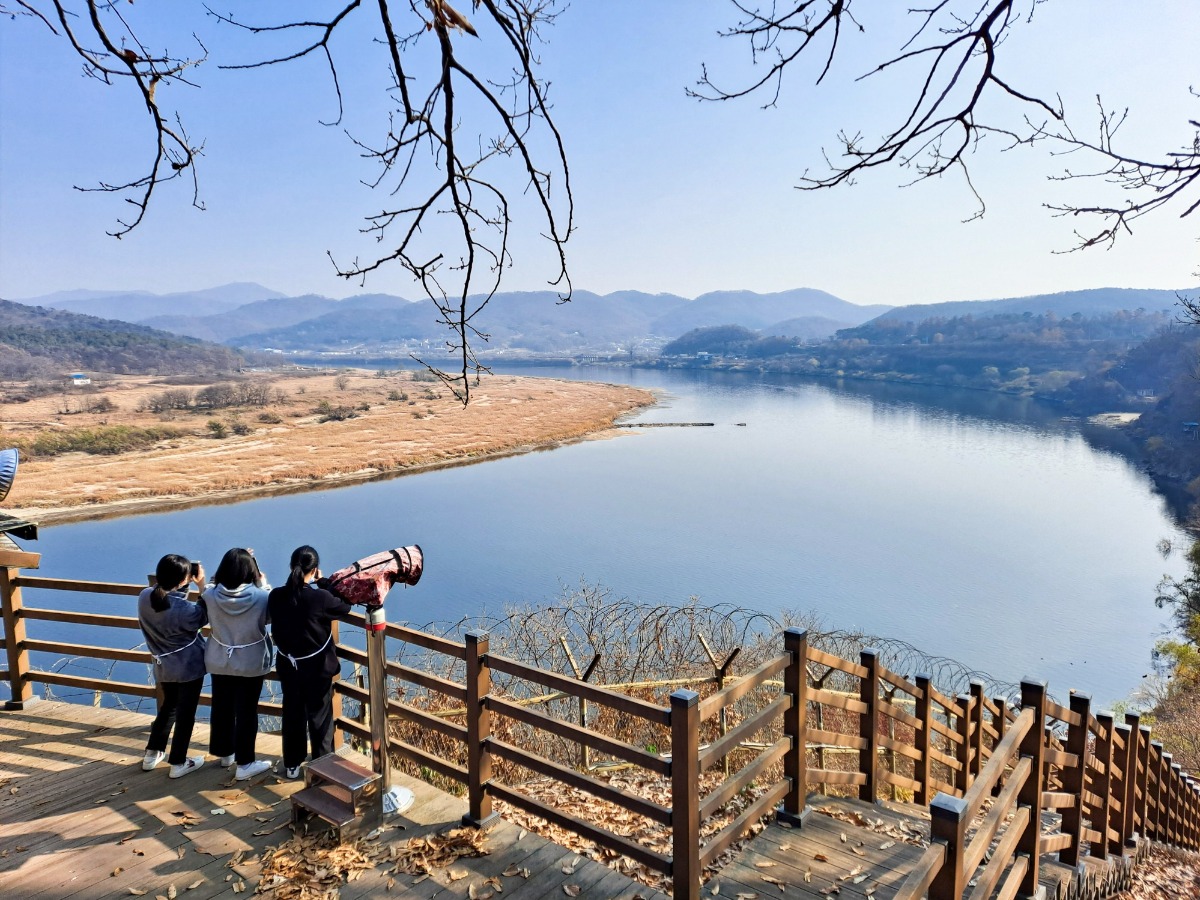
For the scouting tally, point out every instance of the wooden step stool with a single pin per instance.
(340, 792)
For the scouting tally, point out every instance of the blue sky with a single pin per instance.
(671, 195)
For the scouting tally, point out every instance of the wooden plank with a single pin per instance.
(821, 658)
(619, 749)
(87, 650)
(751, 681)
(834, 739)
(74, 618)
(837, 701)
(574, 688)
(729, 788)
(729, 742)
(86, 587)
(827, 776)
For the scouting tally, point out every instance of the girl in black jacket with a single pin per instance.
(306, 662)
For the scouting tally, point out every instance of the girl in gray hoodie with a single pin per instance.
(239, 654)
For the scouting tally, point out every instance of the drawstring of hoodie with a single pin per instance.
(229, 648)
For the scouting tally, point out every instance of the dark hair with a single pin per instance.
(172, 570)
(237, 567)
(304, 560)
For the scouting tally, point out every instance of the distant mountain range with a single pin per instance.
(251, 317)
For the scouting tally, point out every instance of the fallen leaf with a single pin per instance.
(764, 864)
(843, 837)
(457, 874)
(820, 857)
(572, 890)
(195, 884)
(115, 872)
(137, 892)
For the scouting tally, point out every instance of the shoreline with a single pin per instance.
(114, 509)
(292, 444)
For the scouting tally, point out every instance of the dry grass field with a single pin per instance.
(297, 430)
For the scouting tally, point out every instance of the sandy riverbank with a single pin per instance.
(296, 440)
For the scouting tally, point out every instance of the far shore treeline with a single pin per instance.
(1094, 351)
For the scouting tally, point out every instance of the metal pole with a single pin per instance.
(393, 799)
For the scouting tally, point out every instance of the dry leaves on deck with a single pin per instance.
(898, 831)
(422, 855)
(314, 867)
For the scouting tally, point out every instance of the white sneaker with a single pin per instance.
(226, 761)
(153, 758)
(191, 764)
(251, 769)
(293, 772)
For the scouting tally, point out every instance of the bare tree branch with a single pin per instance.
(449, 161)
(956, 49)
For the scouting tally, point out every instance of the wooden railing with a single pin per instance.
(992, 773)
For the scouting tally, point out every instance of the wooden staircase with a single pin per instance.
(339, 791)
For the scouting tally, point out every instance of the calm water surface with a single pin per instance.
(975, 526)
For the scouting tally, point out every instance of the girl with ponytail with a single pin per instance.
(302, 615)
(171, 625)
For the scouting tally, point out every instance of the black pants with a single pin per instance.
(307, 713)
(233, 725)
(178, 709)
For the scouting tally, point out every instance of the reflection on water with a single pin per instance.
(976, 526)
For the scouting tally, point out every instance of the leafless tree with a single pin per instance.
(953, 50)
(438, 169)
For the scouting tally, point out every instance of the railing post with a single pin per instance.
(685, 795)
(1033, 696)
(479, 732)
(977, 726)
(868, 728)
(1129, 806)
(1102, 787)
(1117, 789)
(1000, 723)
(948, 825)
(1168, 770)
(1074, 777)
(962, 726)
(923, 765)
(339, 736)
(1143, 780)
(1154, 806)
(1177, 804)
(14, 640)
(795, 727)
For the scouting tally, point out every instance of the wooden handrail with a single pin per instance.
(712, 704)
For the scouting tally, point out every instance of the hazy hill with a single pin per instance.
(34, 339)
(137, 306)
(261, 315)
(1097, 301)
(533, 321)
(759, 311)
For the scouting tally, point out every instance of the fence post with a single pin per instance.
(1033, 696)
(1168, 770)
(868, 727)
(923, 765)
(962, 726)
(685, 795)
(1073, 778)
(1143, 780)
(977, 725)
(1000, 723)
(14, 640)
(1177, 803)
(1129, 805)
(479, 732)
(339, 736)
(1154, 807)
(1102, 787)
(1120, 790)
(795, 727)
(948, 825)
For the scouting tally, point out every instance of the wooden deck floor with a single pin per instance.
(80, 819)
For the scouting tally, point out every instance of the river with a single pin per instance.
(975, 526)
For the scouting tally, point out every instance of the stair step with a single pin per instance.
(329, 802)
(336, 769)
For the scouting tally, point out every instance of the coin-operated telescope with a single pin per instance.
(12, 525)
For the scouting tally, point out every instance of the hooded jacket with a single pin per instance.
(173, 636)
(239, 643)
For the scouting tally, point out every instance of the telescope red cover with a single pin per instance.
(368, 581)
